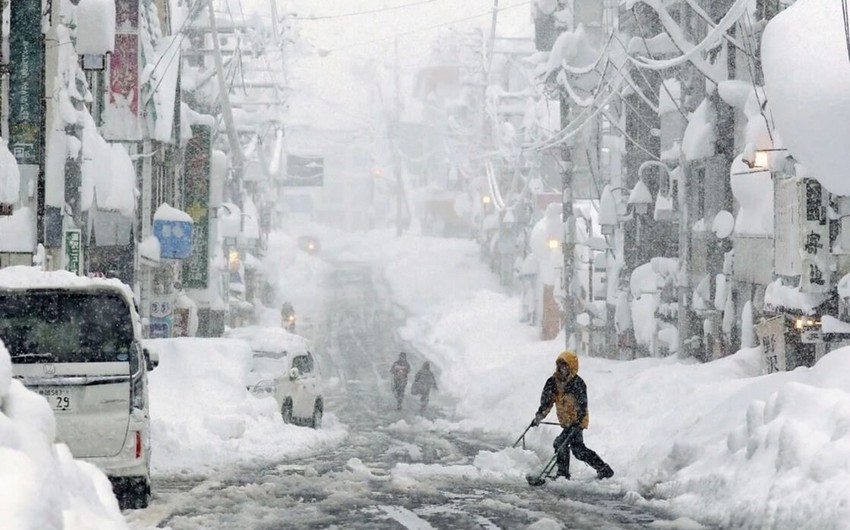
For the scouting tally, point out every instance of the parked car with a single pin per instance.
(77, 342)
(284, 367)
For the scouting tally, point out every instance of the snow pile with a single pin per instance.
(10, 177)
(18, 231)
(95, 27)
(717, 441)
(804, 57)
(41, 485)
(204, 418)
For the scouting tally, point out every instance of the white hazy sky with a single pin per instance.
(334, 87)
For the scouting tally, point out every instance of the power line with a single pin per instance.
(449, 23)
(369, 12)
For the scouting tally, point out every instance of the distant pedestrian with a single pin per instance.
(400, 369)
(423, 383)
(568, 393)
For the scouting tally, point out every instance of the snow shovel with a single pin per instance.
(522, 436)
(540, 479)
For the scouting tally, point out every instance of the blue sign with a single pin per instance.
(175, 238)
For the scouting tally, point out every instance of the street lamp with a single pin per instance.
(486, 199)
(640, 198)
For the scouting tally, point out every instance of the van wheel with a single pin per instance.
(316, 420)
(286, 411)
(133, 493)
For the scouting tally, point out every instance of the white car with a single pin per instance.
(284, 367)
(77, 342)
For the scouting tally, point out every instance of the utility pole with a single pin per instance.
(237, 160)
(568, 219)
(394, 144)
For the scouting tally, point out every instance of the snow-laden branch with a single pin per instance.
(691, 52)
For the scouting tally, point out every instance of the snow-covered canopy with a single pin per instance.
(807, 79)
(166, 212)
(10, 178)
(95, 27)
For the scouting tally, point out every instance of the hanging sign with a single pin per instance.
(814, 240)
(73, 251)
(122, 120)
(26, 85)
(196, 199)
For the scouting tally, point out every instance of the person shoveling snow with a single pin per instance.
(568, 393)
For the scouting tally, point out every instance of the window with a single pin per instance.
(65, 326)
(304, 363)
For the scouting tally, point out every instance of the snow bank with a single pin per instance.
(203, 418)
(42, 487)
(717, 441)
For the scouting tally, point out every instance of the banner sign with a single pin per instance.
(26, 85)
(175, 238)
(122, 120)
(73, 251)
(771, 334)
(304, 170)
(196, 193)
(814, 240)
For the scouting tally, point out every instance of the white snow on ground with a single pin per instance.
(42, 487)
(715, 442)
(203, 418)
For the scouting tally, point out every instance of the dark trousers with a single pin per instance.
(575, 443)
(398, 390)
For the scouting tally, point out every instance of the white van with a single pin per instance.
(77, 342)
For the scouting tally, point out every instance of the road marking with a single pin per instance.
(406, 518)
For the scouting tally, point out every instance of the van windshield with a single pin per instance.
(64, 327)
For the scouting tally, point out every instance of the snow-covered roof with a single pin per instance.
(166, 212)
(779, 296)
(19, 277)
(804, 57)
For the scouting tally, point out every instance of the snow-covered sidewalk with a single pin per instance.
(717, 442)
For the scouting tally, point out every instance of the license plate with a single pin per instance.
(59, 398)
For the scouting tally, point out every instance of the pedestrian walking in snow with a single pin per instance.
(399, 370)
(568, 393)
(423, 382)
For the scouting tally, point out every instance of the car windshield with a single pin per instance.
(62, 326)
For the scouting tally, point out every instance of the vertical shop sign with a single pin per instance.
(26, 86)
(73, 251)
(122, 121)
(814, 240)
(161, 317)
(196, 190)
(771, 334)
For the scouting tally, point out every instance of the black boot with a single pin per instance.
(604, 471)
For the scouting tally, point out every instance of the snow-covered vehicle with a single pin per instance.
(77, 342)
(284, 367)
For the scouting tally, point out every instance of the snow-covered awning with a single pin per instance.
(779, 296)
(159, 84)
(18, 231)
(10, 177)
(95, 27)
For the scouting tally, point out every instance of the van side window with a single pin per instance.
(304, 363)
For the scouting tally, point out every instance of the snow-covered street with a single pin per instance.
(391, 469)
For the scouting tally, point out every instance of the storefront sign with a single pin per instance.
(814, 240)
(161, 317)
(175, 238)
(26, 86)
(771, 334)
(73, 251)
(196, 190)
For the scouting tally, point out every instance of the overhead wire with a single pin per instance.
(369, 12)
(426, 28)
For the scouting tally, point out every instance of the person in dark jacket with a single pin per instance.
(423, 382)
(568, 393)
(399, 370)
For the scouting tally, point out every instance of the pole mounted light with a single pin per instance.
(486, 199)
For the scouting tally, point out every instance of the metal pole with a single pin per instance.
(224, 97)
(394, 145)
(569, 225)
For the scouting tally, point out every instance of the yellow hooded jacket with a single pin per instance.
(569, 396)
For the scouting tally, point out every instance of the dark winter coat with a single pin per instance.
(569, 396)
(400, 369)
(423, 382)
